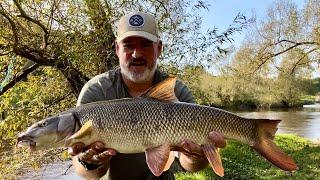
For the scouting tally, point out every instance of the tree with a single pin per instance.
(49, 49)
(288, 30)
(79, 41)
(280, 53)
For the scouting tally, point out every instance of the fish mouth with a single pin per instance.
(26, 141)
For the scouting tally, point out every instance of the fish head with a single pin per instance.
(49, 133)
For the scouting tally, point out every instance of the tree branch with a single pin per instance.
(295, 44)
(167, 12)
(24, 15)
(300, 59)
(17, 79)
(4, 54)
(12, 24)
(37, 56)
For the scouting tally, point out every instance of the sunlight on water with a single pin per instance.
(53, 171)
(304, 122)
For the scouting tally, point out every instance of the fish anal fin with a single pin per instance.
(268, 149)
(214, 158)
(217, 139)
(84, 132)
(157, 158)
(164, 90)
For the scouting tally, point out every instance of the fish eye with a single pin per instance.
(44, 123)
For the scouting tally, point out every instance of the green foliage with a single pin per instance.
(242, 162)
(274, 65)
(315, 86)
(243, 91)
(43, 94)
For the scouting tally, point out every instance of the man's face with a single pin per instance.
(138, 58)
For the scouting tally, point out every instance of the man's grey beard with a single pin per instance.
(147, 75)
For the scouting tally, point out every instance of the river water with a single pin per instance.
(304, 122)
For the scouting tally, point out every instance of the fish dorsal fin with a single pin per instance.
(85, 130)
(157, 159)
(164, 90)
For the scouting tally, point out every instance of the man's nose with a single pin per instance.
(137, 53)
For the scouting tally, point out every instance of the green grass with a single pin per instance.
(242, 162)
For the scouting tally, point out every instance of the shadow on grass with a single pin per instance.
(242, 162)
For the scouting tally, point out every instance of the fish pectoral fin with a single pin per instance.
(157, 158)
(85, 131)
(217, 139)
(164, 90)
(214, 158)
(170, 161)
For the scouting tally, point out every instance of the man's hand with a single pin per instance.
(91, 161)
(192, 157)
(96, 153)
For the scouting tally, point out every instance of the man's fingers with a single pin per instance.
(97, 146)
(217, 139)
(94, 153)
(76, 149)
(111, 152)
(87, 156)
(190, 146)
(106, 155)
(91, 156)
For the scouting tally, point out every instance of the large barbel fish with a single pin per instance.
(156, 123)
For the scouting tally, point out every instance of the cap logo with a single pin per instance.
(136, 20)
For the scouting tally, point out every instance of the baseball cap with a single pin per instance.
(137, 24)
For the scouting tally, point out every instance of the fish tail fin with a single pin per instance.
(268, 149)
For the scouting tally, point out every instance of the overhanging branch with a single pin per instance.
(295, 44)
(12, 24)
(18, 78)
(24, 15)
(4, 53)
(301, 58)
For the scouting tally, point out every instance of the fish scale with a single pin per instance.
(132, 125)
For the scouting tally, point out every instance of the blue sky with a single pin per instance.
(222, 12)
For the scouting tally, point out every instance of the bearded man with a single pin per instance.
(138, 48)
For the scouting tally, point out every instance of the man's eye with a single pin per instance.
(127, 46)
(147, 45)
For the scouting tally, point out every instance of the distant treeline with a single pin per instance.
(250, 91)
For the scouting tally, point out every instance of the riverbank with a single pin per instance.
(239, 161)
(257, 105)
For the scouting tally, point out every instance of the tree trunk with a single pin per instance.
(101, 22)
